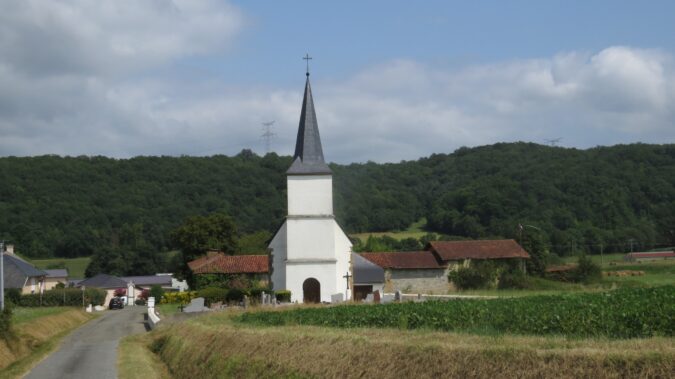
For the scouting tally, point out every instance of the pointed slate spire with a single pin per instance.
(308, 157)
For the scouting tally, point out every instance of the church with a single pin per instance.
(311, 256)
(310, 251)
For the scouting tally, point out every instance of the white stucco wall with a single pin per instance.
(278, 247)
(310, 238)
(310, 195)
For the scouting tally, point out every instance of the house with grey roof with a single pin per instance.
(54, 277)
(19, 274)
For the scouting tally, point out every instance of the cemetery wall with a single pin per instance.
(425, 281)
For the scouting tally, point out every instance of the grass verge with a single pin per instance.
(33, 339)
(213, 346)
(136, 360)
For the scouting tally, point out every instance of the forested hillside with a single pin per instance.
(578, 200)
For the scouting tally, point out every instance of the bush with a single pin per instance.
(283, 296)
(478, 275)
(139, 302)
(71, 297)
(235, 295)
(178, 297)
(13, 295)
(213, 295)
(514, 280)
(157, 292)
(586, 271)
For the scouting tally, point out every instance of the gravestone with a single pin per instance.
(196, 305)
(246, 302)
(337, 298)
(263, 298)
(387, 298)
(397, 296)
(376, 297)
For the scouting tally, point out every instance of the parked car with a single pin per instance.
(116, 303)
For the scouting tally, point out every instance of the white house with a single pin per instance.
(310, 252)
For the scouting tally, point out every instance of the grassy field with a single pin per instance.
(136, 360)
(21, 315)
(414, 231)
(214, 346)
(36, 333)
(75, 266)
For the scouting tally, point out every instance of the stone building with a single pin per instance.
(427, 271)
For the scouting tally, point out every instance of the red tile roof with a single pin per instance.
(655, 254)
(404, 260)
(230, 264)
(493, 249)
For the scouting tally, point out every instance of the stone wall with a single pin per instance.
(425, 281)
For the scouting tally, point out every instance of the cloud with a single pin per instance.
(82, 78)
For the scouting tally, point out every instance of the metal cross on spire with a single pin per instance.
(307, 58)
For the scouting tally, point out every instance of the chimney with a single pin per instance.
(9, 249)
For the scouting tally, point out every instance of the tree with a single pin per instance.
(533, 243)
(200, 234)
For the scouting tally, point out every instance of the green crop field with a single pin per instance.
(75, 266)
(622, 313)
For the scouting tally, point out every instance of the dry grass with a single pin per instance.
(135, 360)
(213, 347)
(33, 340)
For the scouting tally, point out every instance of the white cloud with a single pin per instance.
(72, 81)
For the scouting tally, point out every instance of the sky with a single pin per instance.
(392, 80)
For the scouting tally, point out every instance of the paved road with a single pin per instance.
(91, 351)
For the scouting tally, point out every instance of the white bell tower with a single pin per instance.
(310, 251)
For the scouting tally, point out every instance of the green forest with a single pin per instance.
(606, 198)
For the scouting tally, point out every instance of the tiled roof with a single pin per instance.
(655, 254)
(403, 260)
(103, 281)
(57, 273)
(149, 280)
(230, 264)
(493, 249)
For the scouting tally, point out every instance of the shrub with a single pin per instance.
(139, 302)
(514, 280)
(478, 275)
(178, 297)
(157, 292)
(213, 295)
(63, 297)
(145, 294)
(234, 295)
(13, 295)
(586, 271)
(283, 296)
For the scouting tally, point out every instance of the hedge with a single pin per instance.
(622, 313)
(64, 297)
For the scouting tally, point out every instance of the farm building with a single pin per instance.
(220, 268)
(427, 271)
(649, 256)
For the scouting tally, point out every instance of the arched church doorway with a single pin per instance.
(311, 291)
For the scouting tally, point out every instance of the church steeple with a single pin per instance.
(308, 157)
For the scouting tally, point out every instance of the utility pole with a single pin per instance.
(2, 275)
